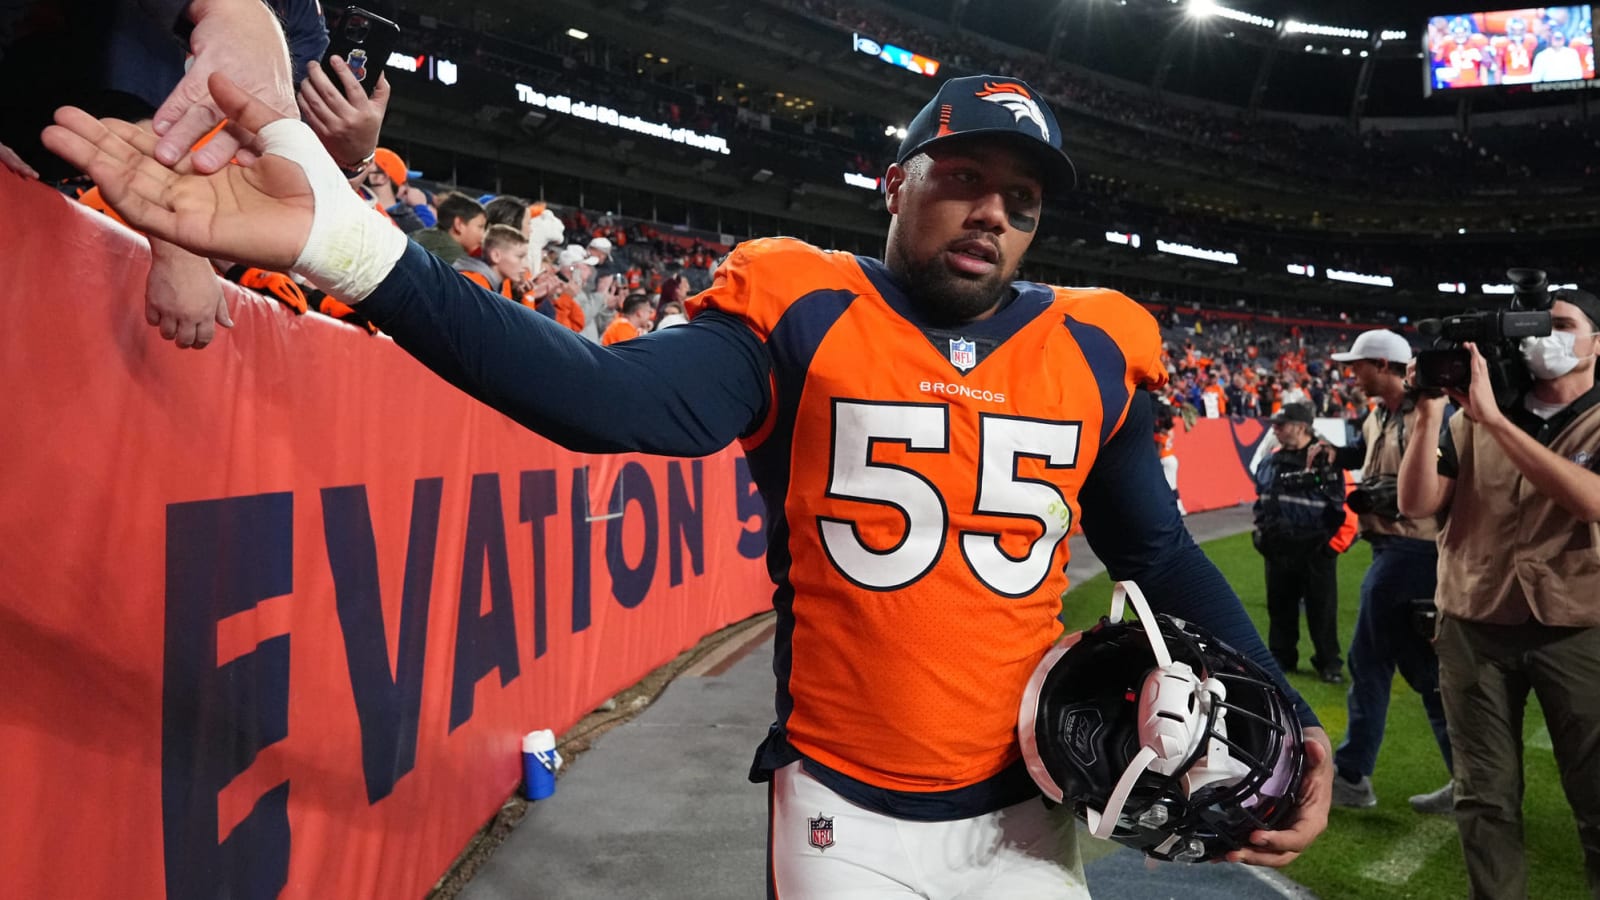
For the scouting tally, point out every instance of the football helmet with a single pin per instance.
(1164, 738)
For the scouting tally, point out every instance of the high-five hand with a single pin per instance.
(259, 214)
(291, 208)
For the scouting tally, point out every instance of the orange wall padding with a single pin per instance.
(1213, 462)
(274, 614)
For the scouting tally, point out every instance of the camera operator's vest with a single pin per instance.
(1386, 438)
(1508, 550)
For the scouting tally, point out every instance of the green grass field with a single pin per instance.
(1390, 851)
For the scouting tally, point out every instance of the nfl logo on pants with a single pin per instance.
(821, 832)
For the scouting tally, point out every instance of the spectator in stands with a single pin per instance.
(507, 210)
(633, 320)
(386, 182)
(606, 300)
(1165, 422)
(459, 233)
(666, 309)
(1296, 518)
(505, 259)
(606, 262)
(1212, 398)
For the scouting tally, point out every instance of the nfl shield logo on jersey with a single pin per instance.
(821, 831)
(963, 353)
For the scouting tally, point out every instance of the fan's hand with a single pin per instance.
(259, 214)
(240, 37)
(1281, 847)
(344, 118)
(183, 298)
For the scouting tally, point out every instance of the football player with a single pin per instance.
(1462, 60)
(925, 431)
(1514, 52)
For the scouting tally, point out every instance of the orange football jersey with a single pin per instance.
(926, 480)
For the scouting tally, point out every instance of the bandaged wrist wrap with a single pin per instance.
(352, 247)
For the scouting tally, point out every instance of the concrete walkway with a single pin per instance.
(660, 808)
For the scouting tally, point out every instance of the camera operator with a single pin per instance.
(1298, 513)
(1404, 569)
(1519, 585)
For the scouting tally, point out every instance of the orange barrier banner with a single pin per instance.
(275, 614)
(1214, 462)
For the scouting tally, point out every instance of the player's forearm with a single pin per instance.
(675, 394)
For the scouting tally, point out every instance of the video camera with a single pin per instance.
(1310, 479)
(1497, 334)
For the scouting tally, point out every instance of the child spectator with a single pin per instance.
(459, 233)
(505, 259)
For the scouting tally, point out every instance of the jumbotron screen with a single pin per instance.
(1537, 45)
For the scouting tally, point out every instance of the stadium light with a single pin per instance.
(1202, 9)
(1393, 35)
(1226, 257)
(1234, 14)
(1360, 278)
(1294, 27)
(577, 34)
(900, 133)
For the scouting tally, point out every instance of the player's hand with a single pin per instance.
(343, 117)
(182, 297)
(1478, 400)
(10, 159)
(1281, 847)
(243, 39)
(258, 214)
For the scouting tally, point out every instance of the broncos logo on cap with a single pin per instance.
(1016, 98)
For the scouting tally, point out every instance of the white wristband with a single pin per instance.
(352, 247)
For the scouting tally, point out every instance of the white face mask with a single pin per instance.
(1551, 356)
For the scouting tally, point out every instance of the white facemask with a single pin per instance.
(1551, 356)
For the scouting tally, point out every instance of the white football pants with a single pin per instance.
(823, 847)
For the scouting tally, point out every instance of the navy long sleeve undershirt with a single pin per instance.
(685, 391)
(1132, 523)
(691, 390)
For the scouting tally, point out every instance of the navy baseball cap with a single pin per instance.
(992, 105)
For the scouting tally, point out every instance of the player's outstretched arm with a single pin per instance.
(686, 392)
(259, 214)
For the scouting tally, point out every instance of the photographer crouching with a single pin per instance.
(1404, 567)
(1300, 532)
(1519, 575)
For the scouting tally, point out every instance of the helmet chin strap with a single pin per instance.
(1175, 706)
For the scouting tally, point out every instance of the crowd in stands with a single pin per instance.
(1237, 146)
(615, 280)
(1223, 365)
(817, 144)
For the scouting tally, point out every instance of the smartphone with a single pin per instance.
(364, 39)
